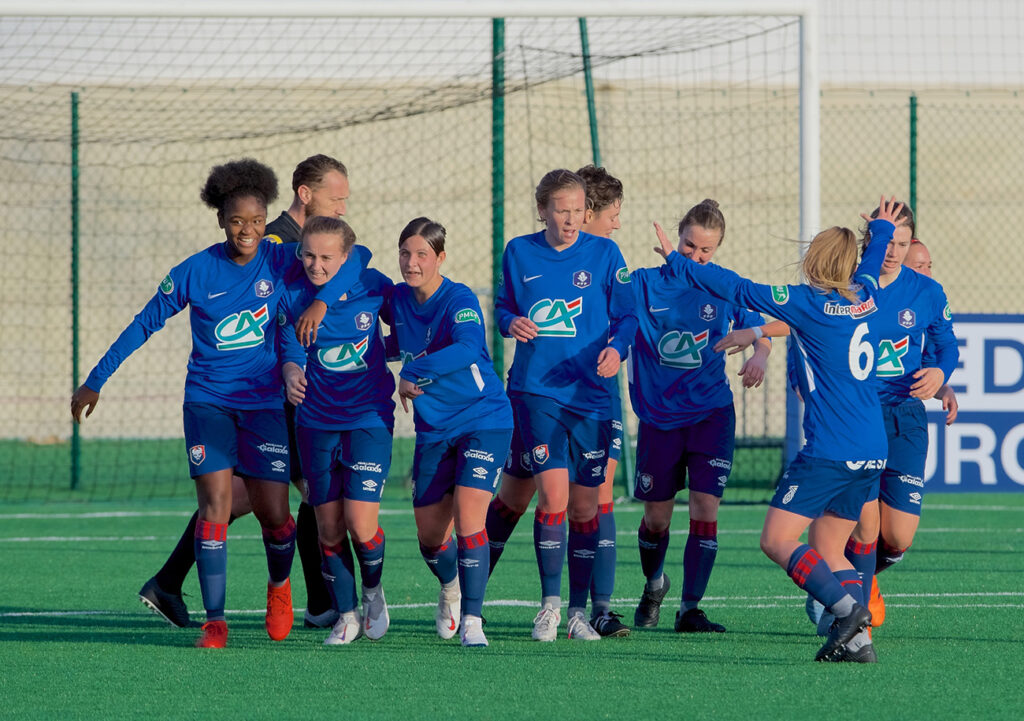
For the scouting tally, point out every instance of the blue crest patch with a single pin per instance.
(264, 288)
(708, 312)
(364, 320)
(581, 278)
(907, 318)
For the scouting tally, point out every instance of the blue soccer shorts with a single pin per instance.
(557, 437)
(902, 484)
(471, 460)
(252, 442)
(700, 453)
(351, 463)
(811, 487)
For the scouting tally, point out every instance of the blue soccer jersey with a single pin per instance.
(913, 314)
(348, 384)
(675, 379)
(581, 302)
(836, 348)
(443, 349)
(232, 311)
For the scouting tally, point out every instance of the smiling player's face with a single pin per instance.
(322, 256)
(563, 215)
(244, 220)
(699, 243)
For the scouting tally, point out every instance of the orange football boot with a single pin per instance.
(280, 615)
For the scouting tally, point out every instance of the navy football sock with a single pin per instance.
(862, 556)
(582, 549)
(887, 555)
(371, 559)
(698, 560)
(307, 543)
(442, 560)
(653, 547)
(172, 574)
(549, 544)
(501, 521)
(339, 575)
(603, 582)
(211, 549)
(473, 554)
(280, 547)
(849, 579)
(810, 572)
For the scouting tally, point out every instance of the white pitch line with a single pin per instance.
(754, 602)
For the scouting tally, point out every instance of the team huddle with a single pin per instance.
(288, 382)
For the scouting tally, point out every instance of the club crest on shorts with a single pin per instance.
(540, 454)
(264, 288)
(907, 318)
(646, 482)
(197, 454)
(708, 312)
(363, 321)
(581, 278)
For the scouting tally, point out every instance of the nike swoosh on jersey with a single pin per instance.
(527, 279)
(211, 296)
(656, 310)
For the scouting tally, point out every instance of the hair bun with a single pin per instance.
(709, 201)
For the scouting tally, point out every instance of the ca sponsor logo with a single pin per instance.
(646, 482)
(555, 317)
(789, 495)
(406, 357)
(167, 285)
(907, 318)
(780, 294)
(242, 330)
(681, 349)
(866, 465)
(363, 321)
(581, 278)
(367, 467)
(708, 312)
(912, 480)
(480, 472)
(278, 466)
(345, 358)
(264, 288)
(273, 448)
(720, 463)
(540, 454)
(856, 311)
(467, 315)
(594, 455)
(478, 455)
(197, 454)
(890, 357)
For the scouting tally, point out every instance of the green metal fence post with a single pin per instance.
(76, 441)
(626, 466)
(913, 159)
(497, 181)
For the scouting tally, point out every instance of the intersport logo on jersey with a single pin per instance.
(856, 311)
(681, 348)
(242, 330)
(344, 358)
(554, 317)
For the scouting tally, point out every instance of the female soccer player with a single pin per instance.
(604, 203)
(687, 422)
(837, 470)
(565, 298)
(344, 421)
(234, 422)
(463, 425)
